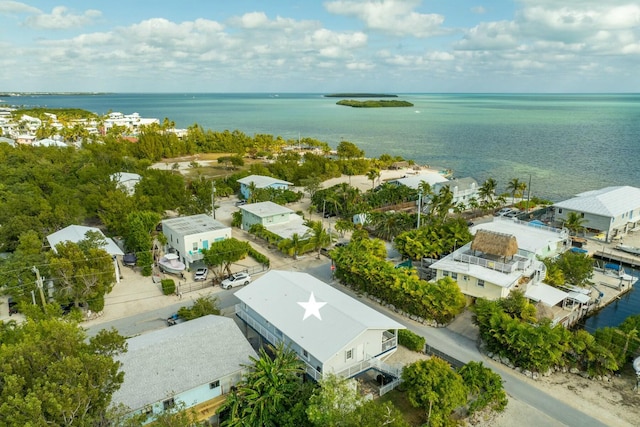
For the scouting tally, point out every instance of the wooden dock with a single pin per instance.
(627, 260)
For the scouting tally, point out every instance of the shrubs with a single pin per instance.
(259, 257)
(411, 340)
(168, 286)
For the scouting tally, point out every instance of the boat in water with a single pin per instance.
(170, 263)
(628, 249)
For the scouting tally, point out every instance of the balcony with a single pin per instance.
(517, 263)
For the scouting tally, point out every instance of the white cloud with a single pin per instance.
(478, 10)
(395, 17)
(490, 36)
(15, 7)
(61, 19)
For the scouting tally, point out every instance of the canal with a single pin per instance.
(618, 310)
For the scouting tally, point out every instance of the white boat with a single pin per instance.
(170, 263)
(628, 249)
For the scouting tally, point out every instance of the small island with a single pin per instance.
(374, 104)
(360, 95)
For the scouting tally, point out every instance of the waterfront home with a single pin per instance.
(612, 211)
(194, 363)
(462, 189)
(188, 235)
(259, 182)
(413, 181)
(329, 331)
(132, 122)
(277, 219)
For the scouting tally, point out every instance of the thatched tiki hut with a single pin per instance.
(497, 244)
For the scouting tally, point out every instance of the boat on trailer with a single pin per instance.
(170, 263)
(628, 249)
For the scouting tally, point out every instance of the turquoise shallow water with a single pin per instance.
(567, 143)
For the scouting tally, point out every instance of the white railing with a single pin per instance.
(389, 344)
(388, 387)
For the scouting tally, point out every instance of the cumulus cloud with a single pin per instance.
(395, 17)
(61, 19)
(490, 36)
(15, 7)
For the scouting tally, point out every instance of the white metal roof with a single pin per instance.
(275, 297)
(262, 181)
(265, 209)
(413, 181)
(165, 362)
(545, 293)
(490, 275)
(608, 202)
(530, 239)
(289, 228)
(194, 224)
(76, 233)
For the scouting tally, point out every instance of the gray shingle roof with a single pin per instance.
(275, 297)
(608, 202)
(168, 361)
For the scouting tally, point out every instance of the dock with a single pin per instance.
(625, 260)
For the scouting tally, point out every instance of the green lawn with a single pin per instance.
(414, 416)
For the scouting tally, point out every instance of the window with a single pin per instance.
(305, 354)
(168, 404)
(445, 273)
(279, 332)
(195, 246)
(349, 354)
(465, 278)
(454, 276)
(214, 384)
(147, 410)
(481, 283)
(582, 215)
(559, 210)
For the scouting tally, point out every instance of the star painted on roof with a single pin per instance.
(312, 307)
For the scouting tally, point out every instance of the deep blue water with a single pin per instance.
(615, 313)
(567, 143)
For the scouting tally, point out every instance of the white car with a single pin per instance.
(236, 279)
(201, 274)
(504, 211)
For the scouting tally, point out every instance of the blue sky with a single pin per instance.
(320, 46)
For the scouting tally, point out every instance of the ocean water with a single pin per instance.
(563, 143)
(615, 313)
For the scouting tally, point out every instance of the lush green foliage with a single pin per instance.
(411, 340)
(223, 253)
(436, 388)
(259, 257)
(512, 333)
(271, 388)
(434, 239)
(51, 374)
(363, 267)
(168, 286)
(201, 307)
(570, 267)
(484, 387)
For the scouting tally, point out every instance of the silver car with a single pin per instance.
(236, 279)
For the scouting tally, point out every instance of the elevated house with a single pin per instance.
(194, 363)
(613, 211)
(329, 331)
(462, 189)
(259, 182)
(504, 256)
(187, 236)
(278, 219)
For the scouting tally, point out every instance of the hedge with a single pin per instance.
(411, 340)
(168, 286)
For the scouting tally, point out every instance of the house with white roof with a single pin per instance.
(413, 181)
(462, 189)
(193, 363)
(613, 211)
(76, 233)
(277, 219)
(261, 181)
(126, 181)
(329, 331)
(132, 122)
(187, 236)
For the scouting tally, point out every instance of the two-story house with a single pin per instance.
(260, 181)
(329, 331)
(194, 363)
(279, 220)
(188, 235)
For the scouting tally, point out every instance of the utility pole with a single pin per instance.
(213, 198)
(529, 194)
(40, 285)
(419, 207)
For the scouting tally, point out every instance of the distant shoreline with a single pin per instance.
(359, 95)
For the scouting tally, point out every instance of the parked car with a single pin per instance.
(201, 274)
(13, 306)
(236, 279)
(511, 214)
(174, 319)
(241, 202)
(503, 211)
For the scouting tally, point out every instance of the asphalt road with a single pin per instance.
(448, 342)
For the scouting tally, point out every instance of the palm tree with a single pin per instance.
(372, 175)
(488, 190)
(574, 222)
(318, 236)
(516, 186)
